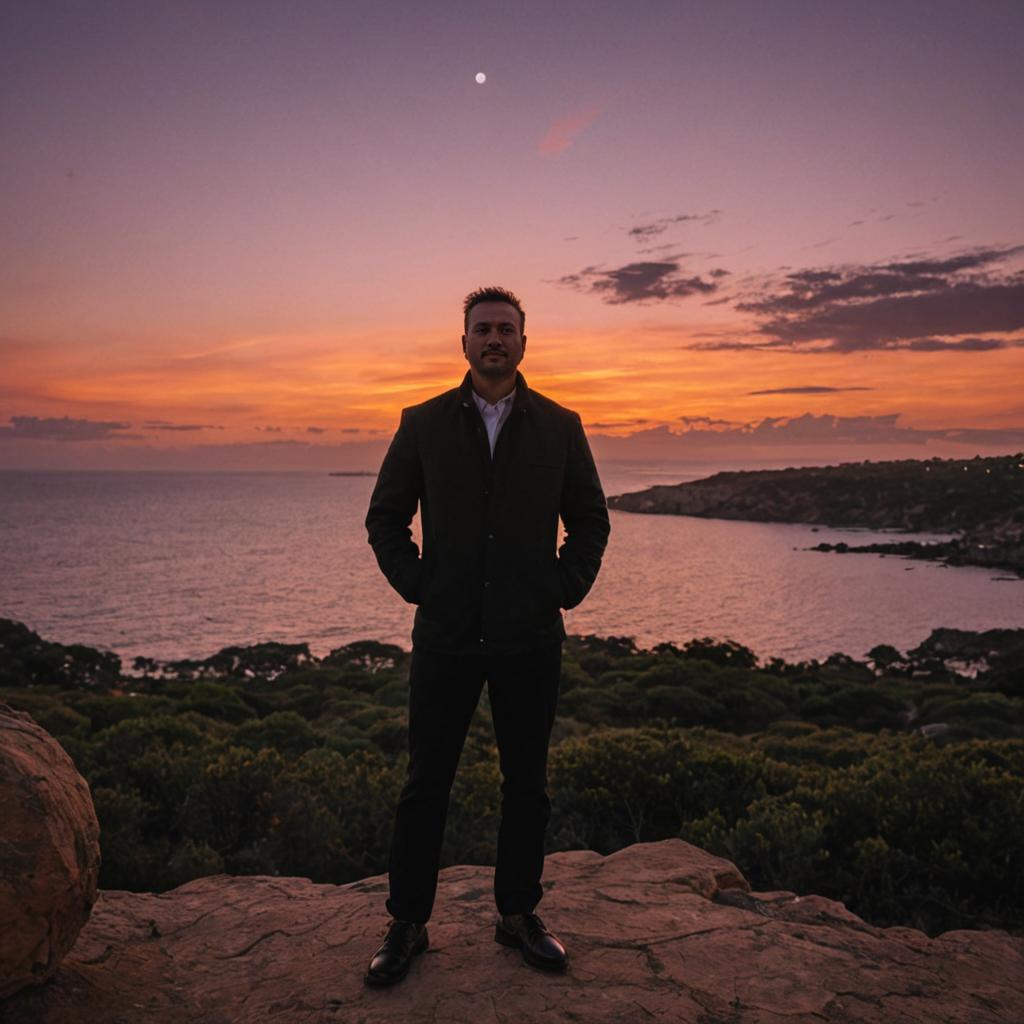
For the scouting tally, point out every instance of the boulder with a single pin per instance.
(49, 852)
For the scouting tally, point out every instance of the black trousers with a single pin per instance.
(443, 694)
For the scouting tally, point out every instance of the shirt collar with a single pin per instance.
(522, 392)
(482, 402)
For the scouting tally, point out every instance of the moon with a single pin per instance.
(480, 78)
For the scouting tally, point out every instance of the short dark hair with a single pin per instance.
(492, 294)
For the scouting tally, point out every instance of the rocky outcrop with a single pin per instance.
(941, 495)
(49, 852)
(657, 931)
(981, 500)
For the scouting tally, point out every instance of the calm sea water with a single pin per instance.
(181, 564)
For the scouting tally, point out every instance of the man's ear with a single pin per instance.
(463, 344)
(524, 342)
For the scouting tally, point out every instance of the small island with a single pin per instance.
(980, 501)
(353, 472)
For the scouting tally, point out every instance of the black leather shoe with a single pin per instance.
(527, 932)
(391, 962)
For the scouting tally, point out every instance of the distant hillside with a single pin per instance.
(980, 499)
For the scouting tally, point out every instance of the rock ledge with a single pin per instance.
(655, 932)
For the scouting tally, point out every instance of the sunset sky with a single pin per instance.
(238, 235)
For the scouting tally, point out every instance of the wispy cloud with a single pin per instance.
(645, 232)
(811, 429)
(619, 424)
(808, 389)
(228, 346)
(562, 132)
(35, 428)
(166, 425)
(962, 345)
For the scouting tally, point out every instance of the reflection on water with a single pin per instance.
(182, 564)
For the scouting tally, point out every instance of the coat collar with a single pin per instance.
(519, 403)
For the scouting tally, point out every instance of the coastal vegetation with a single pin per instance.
(892, 783)
(980, 501)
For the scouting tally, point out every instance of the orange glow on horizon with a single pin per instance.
(357, 385)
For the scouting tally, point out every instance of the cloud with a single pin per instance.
(619, 424)
(647, 281)
(811, 429)
(235, 407)
(281, 441)
(562, 132)
(166, 425)
(664, 251)
(808, 389)
(927, 304)
(645, 232)
(228, 346)
(963, 345)
(316, 430)
(35, 428)
(703, 422)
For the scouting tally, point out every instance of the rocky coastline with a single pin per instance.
(979, 501)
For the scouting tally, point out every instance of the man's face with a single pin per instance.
(494, 343)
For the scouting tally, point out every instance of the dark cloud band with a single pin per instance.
(646, 281)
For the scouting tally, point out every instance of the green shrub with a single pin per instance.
(284, 731)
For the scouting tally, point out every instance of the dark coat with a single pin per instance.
(490, 580)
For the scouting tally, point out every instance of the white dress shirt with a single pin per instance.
(494, 415)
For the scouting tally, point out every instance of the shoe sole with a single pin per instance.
(383, 980)
(514, 942)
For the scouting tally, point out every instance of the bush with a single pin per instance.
(227, 805)
(778, 842)
(283, 731)
(215, 700)
(617, 787)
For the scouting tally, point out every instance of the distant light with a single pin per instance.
(480, 78)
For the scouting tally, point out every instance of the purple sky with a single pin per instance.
(232, 217)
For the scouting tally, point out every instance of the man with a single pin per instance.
(492, 465)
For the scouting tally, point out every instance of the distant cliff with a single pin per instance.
(979, 500)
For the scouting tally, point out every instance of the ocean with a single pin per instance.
(180, 564)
